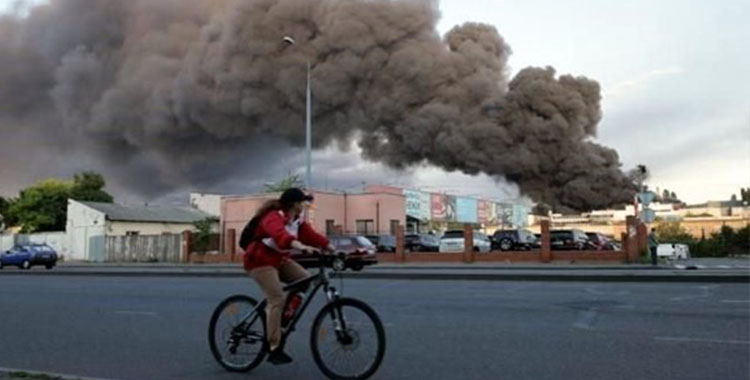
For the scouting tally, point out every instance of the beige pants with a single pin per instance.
(269, 279)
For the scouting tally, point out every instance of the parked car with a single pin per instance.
(26, 256)
(600, 242)
(453, 241)
(568, 240)
(421, 243)
(353, 252)
(383, 243)
(520, 239)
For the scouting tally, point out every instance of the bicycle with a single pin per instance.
(247, 329)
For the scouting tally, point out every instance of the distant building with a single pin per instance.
(208, 203)
(331, 212)
(89, 223)
(716, 209)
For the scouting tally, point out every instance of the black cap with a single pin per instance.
(294, 195)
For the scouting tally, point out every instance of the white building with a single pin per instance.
(208, 203)
(89, 223)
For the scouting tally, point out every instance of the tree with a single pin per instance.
(42, 207)
(202, 234)
(673, 233)
(674, 196)
(745, 194)
(4, 205)
(88, 186)
(665, 195)
(291, 180)
(733, 198)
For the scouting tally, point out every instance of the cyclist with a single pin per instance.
(275, 229)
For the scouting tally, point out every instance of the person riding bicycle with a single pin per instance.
(275, 229)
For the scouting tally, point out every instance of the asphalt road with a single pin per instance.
(155, 328)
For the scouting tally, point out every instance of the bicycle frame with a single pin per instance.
(320, 280)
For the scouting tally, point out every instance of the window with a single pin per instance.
(132, 233)
(330, 227)
(394, 226)
(365, 227)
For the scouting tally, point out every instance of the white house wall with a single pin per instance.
(85, 229)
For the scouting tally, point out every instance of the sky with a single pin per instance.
(675, 76)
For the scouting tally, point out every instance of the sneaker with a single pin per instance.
(278, 357)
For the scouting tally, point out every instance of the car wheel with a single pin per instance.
(26, 264)
(49, 266)
(357, 267)
(1, 265)
(506, 245)
(338, 264)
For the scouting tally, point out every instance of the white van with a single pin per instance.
(673, 251)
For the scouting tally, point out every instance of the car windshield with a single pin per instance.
(363, 242)
(453, 235)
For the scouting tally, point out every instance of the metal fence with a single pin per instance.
(144, 248)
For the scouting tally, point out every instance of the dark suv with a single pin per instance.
(507, 240)
(384, 243)
(568, 240)
(421, 243)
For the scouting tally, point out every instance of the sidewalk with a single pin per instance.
(433, 271)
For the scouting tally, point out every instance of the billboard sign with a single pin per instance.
(466, 210)
(418, 204)
(443, 207)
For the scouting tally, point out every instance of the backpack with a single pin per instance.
(248, 233)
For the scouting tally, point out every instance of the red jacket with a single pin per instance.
(273, 225)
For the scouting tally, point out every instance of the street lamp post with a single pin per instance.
(308, 120)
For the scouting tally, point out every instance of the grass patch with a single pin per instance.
(29, 376)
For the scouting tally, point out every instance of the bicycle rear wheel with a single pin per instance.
(238, 343)
(352, 354)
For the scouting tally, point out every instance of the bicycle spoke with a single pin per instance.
(361, 354)
(237, 349)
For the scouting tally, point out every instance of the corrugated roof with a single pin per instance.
(154, 214)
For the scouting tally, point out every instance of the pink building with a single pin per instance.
(363, 213)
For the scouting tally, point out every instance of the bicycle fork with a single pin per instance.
(339, 323)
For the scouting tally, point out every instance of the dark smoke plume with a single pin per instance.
(181, 89)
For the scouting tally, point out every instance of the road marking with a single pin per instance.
(585, 319)
(735, 301)
(133, 312)
(705, 293)
(697, 340)
(595, 291)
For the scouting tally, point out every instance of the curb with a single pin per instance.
(41, 375)
(587, 277)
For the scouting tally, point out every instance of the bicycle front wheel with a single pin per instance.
(236, 334)
(356, 349)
